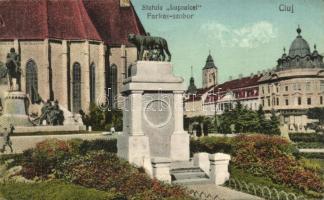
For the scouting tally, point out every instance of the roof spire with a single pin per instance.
(298, 30)
(191, 71)
(314, 46)
(284, 49)
(209, 51)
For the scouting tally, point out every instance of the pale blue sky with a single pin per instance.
(244, 36)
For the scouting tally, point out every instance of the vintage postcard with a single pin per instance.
(161, 99)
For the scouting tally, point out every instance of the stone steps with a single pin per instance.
(187, 174)
(199, 181)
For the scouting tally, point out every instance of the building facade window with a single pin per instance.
(287, 102)
(286, 88)
(277, 101)
(76, 87)
(321, 100)
(299, 101)
(113, 85)
(308, 86)
(31, 81)
(322, 86)
(309, 101)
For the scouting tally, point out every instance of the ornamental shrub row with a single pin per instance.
(272, 156)
(266, 156)
(92, 165)
(307, 137)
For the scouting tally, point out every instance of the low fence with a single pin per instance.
(263, 191)
(203, 195)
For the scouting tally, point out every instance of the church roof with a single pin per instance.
(299, 47)
(113, 22)
(68, 19)
(209, 63)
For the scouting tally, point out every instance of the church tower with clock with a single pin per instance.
(209, 73)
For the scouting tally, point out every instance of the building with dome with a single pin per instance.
(296, 84)
(75, 52)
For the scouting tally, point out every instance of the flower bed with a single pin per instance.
(83, 163)
(272, 157)
(268, 157)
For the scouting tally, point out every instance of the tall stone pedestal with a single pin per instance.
(15, 110)
(153, 115)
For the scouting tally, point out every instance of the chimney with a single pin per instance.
(124, 3)
(251, 75)
(240, 76)
(230, 78)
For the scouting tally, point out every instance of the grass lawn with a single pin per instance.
(240, 175)
(54, 190)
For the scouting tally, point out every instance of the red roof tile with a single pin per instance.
(113, 22)
(102, 20)
(243, 88)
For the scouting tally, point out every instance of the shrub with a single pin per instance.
(95, 145)
(211, 145)
(311, 155)
(306, 137)
(54, 190)
(104, 171)
(272, 157)
(310, 145)
(43, 159)
(102, 119)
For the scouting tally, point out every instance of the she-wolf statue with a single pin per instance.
(150, 43)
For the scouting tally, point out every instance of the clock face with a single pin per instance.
(157, 113)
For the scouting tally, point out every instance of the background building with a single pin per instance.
(209, 73)
(296, 85)
(72, 51)
(291, 88)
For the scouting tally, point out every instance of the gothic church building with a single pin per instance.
(71, 50)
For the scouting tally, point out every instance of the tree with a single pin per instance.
(246, 121)
(274, 124)
(317, 114)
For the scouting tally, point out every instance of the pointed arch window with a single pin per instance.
(31, 81)
(92, 79)
(76, 87)
(113, 84)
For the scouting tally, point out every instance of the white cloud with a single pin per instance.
(248, 36)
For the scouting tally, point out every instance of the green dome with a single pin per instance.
(299, 47)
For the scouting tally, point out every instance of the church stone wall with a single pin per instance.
(38, 52)
(79, 52)
(59, 70)
(123, 57)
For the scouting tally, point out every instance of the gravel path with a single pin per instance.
(223, 192)
(21, 143)
(311, 150)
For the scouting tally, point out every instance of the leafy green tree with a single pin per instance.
(247, 121)
(102, 119)
(274, 124)
(317, 114)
